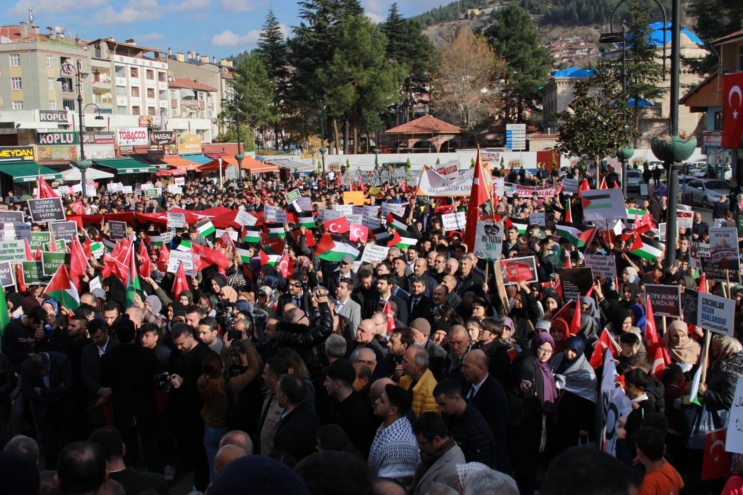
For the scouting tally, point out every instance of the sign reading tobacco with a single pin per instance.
(132, 136)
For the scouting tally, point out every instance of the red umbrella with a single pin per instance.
(171, 172)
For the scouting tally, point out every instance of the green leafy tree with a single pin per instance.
(253, 94)
(714, 19)
(247, 138)
(272, 53)
(598, 121)
(515, 38)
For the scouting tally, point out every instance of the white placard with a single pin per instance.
(358, 210)
(684, 219)
(274, 214)
(76, 188)
(454, 221)
(90, 191)
(180, 181)
(144, 187)
(13, 250)
(174, 189)
(716, 314)
(603, 204)
(397, 209)
(126, 189)
(536, 219)
(303, 203)
(499, 184)
(601, 265)
(343, 210)
(178, 257)
(330, 215)
(177, 220)
(372, 223)
(95, 283)
(112, 187)
(734, 440)
(570, 186)
(372, 252)
(357, 219)
(219, 233)
(370, 211)
(245, 218)
(19, 230)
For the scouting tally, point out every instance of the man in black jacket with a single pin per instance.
(365, 293)
(418, 303)
(23, 335)
(385, 295)
(465, 423)
(295, 294)
(297, 433)
(90, 370)
(468, 278)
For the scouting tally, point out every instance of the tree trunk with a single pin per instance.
(335, 133)
(345, 136)
(355, 133)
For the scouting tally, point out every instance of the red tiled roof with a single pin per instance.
(13, 32)
(427, 124)
(179, 82)
(736, 34)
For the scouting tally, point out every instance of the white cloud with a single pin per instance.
(189, 5)
(228, 38)
(241, 5)
(134, 11)
(149, 37)
(20, 9)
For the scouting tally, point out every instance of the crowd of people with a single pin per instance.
(417, 374)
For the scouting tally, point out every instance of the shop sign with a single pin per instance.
(57, 138)
(54, 116)
(16, 153)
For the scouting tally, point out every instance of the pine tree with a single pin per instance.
(254, 94)
(272, 53)
(714, 19)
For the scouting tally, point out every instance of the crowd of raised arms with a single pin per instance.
(226, 340)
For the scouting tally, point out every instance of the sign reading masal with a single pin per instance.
(132, 136)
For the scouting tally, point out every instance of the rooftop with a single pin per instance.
(428, 124)
(729, 37)
(179, 82)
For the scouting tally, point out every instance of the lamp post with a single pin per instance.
(323, 150)
(239, 156)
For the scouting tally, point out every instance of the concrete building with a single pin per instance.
(558, 93)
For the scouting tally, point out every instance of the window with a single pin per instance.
(201, 114)
(161, 76)
(121, 110)
(15, 61)
(67, 85)
(201, 96)
(50, 60)
(150, 75)
(15, 84)
(50, 83)
(718, 121)
(209, 114)
(120, 91)
(134, 72)
(135, 92)
(68, 104)
(174, 112)
(150, 92)
(151, 111)
(52, 105)
(136, 111)
(120, 72)
(173, 94)
(162, 94)
(17, 105)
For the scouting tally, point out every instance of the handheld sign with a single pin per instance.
(517, 270)
(716, 314)
(177, 220)
(12, 250)
(46, 210)
(51, 261)
(601, 265)
(116, 230)
(666, 299)
(7, 279)
(372, 252)
(11, 216)
(274, 214)
(454, 221)
(488, 240)
(292, 195)
(64, 230)
(33, 273)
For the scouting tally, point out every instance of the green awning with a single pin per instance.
(28, 171)
(126, 166)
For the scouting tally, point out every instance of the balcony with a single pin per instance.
(103, 98)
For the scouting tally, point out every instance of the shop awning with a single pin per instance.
(200, 159)
(125, 166)
(28, 171)
(180, 162)
(249, 164)
(291, 164)
(73, 175)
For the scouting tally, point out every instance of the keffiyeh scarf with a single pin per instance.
(394, 451)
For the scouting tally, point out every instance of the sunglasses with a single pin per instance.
(296, 285)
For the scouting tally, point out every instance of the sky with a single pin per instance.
(210, 27)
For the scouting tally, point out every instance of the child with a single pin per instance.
(630, 344)
(635, 382)
(660, 477)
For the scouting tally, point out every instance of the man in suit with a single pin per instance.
(132, 480)
(297, 433)
(420, 269)
(440, 454)
(345, 306)
(385, 294)
(128, 370)
(489, 397)
(418, 303)
(342, 272)
(90, 370)
(295, 294)
(48, 385)
(698, 227)
(365, 294)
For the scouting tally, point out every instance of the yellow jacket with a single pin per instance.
(423, 399)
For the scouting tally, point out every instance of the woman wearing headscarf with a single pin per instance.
(576, 381)
(14, 304)
(227, 294)
(265, 300)
(682, 350)
(638, 316)
(217, 282)
(551, 302)
(628, 295)
(533, 384)
(560, 331)
(718, 391)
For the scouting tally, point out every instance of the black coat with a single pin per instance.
(368, 300)
(189, 366)
(491, 401)
(352, 416)
(8, 382)
(135, 482)
(288, 298)
(722, 379)
(58, 396)
(472, 282)
(524, 441)
(303, 339)
(297, 433)
(473, 435)
(420, 308)
(402, 308)
(90, 374)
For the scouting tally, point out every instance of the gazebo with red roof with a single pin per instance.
(426, 133)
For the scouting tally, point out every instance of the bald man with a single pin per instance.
(226, 455)
(459, 345)
(489, 397)
(365, 356)
(365, 338)
(239, 438)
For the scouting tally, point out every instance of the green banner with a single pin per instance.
(33, 273)
(51, 261)
(59, 245)
(38, 239)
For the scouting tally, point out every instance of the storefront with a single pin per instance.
(721, 159)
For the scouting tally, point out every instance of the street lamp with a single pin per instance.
(235, 100)
(323, 151)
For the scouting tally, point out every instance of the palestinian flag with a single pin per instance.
(635, 212)
(134, 286)
(184, 246)
(406, 242)
(332, 248)
(252, 235)
(62, 289)
(205, 227)
(97, 249)
(382, 235)
(396, 222)
(156, 240)
(647, 248)
(275, 231)
(244, 255)
(109, 245)
(306, 219)
(269, 259)
(507, 224)
(576, 234)
(275, 248)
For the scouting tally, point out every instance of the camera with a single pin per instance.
(225, 316)
(234, 334)
(161, 381)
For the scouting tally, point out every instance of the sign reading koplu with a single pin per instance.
(53, 116)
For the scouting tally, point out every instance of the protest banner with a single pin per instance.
(454, 221)
(666, 299)
(435, 185)
(51, 261)
(576, 282)
(529, 191)
(601, 265)
(38, 239)
(46, 210)
(13, 250)
(537, 218)
(603, 204)
(292, 195)
(116, 230)
(684, 219)
(33, 273)
(353, 198)
(64, 230)
(11, 216)
(517, 270)
(397, 209)
(274, 214)
(184, 257)
(7, 275)
(488, 240)
(177, 220)
(372, 252)
(724, 261)
(734, 440)
(570, 186)
(716, 314)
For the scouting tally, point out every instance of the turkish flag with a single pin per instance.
(716, 462)
(644, 223)
(390, 317)
(358, 232)
(481, 187)
(336, 226)
(605, 342)
(732, 97)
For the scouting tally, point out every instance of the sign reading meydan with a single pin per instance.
(16, 153)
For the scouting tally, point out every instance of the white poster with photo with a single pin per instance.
(274, 214)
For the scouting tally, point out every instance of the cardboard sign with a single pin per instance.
(244, 218)
(116, 230)
(64, 230)
(716, 314)
(46, 210)
(601, 265)
(178, 257)
(537, 218)
(529, 191)
(357, 219)
(372, 252)
(397, 209)
(570, 186)
(303, 203)
(734, 440)
(488, 240)
(684, 219)
(126, 189)
(666, 299)
(7, 277)
(11, 216)
(274, 214)
(517, 270)
(344, 209)
(353, 198)
(51, 261)
(175, 189)
(330, 215)
(603, 204)
(293, 195)
(371, 211)
(372, 223)
(454, 221)
(576, 282)
(152, 193)
(33, 273)
(13, 250)
(180, 181)
(38, 239)
(177, 220)
(724, 261)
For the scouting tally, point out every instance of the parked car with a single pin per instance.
(634, 179)
(704, 192)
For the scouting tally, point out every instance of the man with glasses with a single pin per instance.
(295, 294)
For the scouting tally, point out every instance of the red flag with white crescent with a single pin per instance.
(337, 225)
(715, 462)
(732, 110)
(284, 265)
(358, 232)
(390, 317)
